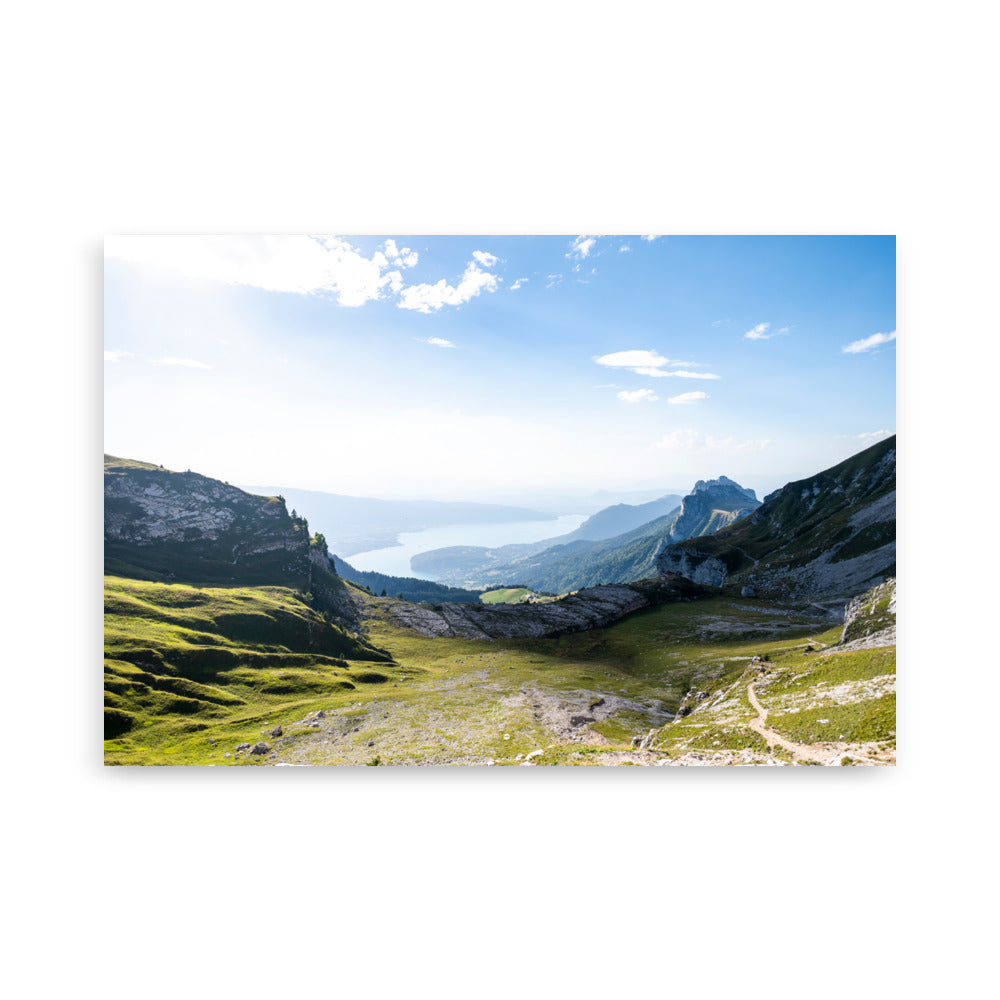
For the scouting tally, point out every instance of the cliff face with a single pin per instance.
(159, 523)
(829, 536)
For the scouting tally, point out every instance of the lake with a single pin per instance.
(395, 561)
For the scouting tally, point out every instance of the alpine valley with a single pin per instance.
(711, 628)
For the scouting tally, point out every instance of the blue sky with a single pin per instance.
(498, 366)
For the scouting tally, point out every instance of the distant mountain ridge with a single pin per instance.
(465, 562)
(563, 566)
(620, 518)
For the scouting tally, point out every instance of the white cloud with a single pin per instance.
(649, 363)
(872, 436)
(402, 258)
(303, 265)
(484, 258)
(688, 440)
(394, 279)
(116, 355)
(439, 342)
(688, 397)
(624, 248)
(554, 280)
(649, 239)
(680, 373)
(760, 332)
(430, 298)
(639, 396)
(581, 247)
(860, 346)
(180, 362)
(631, 359)
(517, 284)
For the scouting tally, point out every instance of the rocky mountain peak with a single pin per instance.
(723, 483)
(713, 504)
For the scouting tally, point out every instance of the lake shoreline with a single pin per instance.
(394, 559)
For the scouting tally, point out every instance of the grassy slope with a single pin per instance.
(505, 595)
(204, 670)
(183, 663)
(800, 693)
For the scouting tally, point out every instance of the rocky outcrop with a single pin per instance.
(592, 608)
(698, 567)
(711, 506)
(824, 538)
(870, 618)
(188, 525)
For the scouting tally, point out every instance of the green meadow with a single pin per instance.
(193, 674)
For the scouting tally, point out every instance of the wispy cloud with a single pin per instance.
(517, 284)
(624, 248)
(650, 363)
(688, 440)
(484, 258)
(649, 239)
(180, 363)
(875, 340)
(303, 265)
(760, 332)
(581, 248)
(116, 355)
(439, 342)
(639, 396)
(429, 298)
(871, 437)
(688, 397)
(553, 280)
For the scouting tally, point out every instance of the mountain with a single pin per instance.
(618, 519)
(359, 524)
(830, 536)
(275, 659)
(711, 506)
(629, 556)
(160, 524)
(467, 562)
